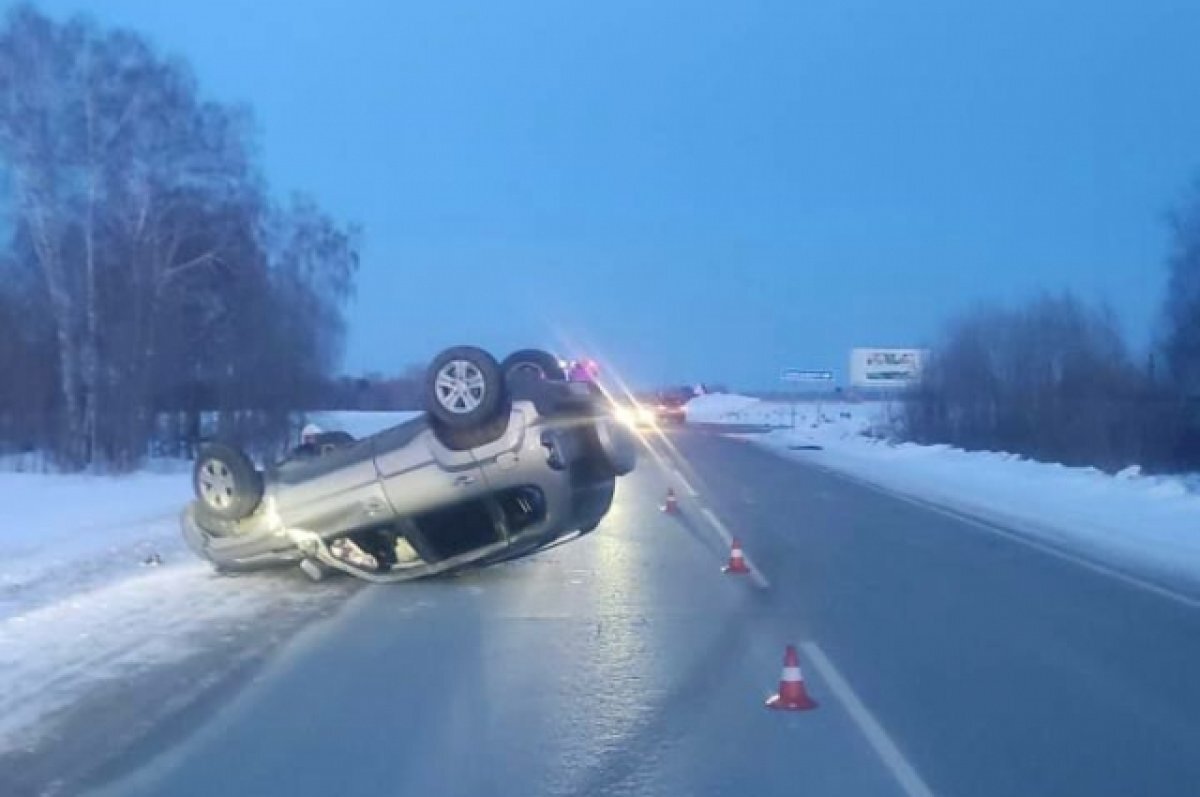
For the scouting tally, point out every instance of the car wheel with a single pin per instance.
(464, 388)
(226, 482)
(532, 364)
(474, 437)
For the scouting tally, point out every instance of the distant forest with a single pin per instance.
(1052, 379)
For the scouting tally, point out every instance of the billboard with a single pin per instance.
(890, 368)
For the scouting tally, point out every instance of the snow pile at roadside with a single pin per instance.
(62, 533)
(80, 606)
(1134, 522)
(739, 410)
(722, 408)
(56, 653)
(360, 424)
(65, 533)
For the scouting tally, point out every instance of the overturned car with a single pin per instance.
(507, 459)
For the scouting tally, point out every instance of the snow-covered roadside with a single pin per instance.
(80, 608)
(360, 424)
(53, 656)
(65, 533)
(1139, 524)
(80, 611)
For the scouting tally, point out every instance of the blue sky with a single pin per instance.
(711, 191)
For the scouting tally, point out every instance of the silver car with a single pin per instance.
(508, 459)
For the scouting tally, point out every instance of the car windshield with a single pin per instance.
(613, 398)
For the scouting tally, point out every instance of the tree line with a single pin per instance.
(148, 270)
(372, 392)
(1053, 378)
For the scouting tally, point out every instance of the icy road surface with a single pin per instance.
(946, 660)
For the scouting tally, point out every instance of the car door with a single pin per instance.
(419, 474)
(332, 493)
(500, 460)
(440, 494)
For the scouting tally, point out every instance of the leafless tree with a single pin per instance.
(1051, 380)
(170, 279)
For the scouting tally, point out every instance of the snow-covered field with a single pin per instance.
(80, 606)
(1149, 525)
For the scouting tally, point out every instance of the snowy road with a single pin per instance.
(945, 659)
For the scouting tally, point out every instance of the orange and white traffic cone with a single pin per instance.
(737, 560)
(671, 506)
(792, 694)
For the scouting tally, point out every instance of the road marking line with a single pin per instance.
(876, 736)
(691, 491)
(755, 574)
(1025, 538)
(718, 525)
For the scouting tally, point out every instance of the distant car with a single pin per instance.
(671, 408)
(508, 459)
(634, 412)
(651, 409)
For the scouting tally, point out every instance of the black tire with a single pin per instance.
(226, 483)
(464, 388)
(532, 363)
(476, 436)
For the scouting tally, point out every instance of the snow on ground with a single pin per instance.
(729, 408)
(79, 606)
(360, 424)
(65, 533)
(54, 654)
(1147, 524)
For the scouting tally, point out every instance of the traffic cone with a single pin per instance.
(672, 504)
(737, 562)
(792, 694)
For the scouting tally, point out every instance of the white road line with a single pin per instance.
(1025, 538)
(756, 575)
(718, 525)
(691, 491)
(876, 736)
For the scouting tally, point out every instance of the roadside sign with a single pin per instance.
(886, 368)
(805, 375)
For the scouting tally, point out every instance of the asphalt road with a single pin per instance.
(946, 660)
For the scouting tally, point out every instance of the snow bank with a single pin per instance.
(360, 424)
(62, 534)
(78, 604)
(43, 508)
(720, 408)
(65, 534)
(53, 653)
(1137, 523)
